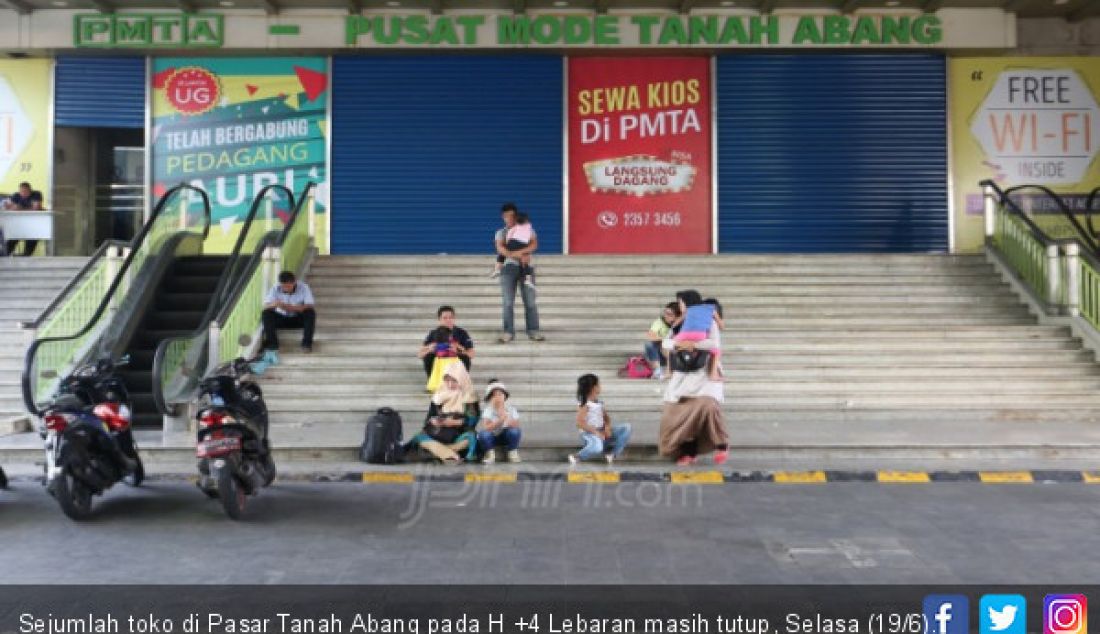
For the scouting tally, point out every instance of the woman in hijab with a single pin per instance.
(691, 420)
(452, 417)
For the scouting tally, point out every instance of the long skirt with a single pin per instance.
(698, 421)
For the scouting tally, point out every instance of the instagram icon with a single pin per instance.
(1065, 614)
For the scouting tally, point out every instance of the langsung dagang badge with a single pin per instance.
(640, 175)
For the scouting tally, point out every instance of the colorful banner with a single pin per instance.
(25, 125)
(1023, 121)
(232, 126)
(639, 155)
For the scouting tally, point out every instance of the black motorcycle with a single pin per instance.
(233, 451)
(3, 479)
(89, 441)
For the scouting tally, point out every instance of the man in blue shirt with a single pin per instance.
(289, 304)
(26, 199)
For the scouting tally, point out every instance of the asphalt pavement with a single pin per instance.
(560, 532)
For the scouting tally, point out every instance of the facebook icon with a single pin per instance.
(946, 614)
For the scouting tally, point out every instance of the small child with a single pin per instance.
(518, 237)
(594, 423)
(499, 424)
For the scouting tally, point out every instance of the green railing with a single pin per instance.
(1024, 252)
(68, 337)
(1089, 297)
(72, 308)
(237, 325)
(179, 362)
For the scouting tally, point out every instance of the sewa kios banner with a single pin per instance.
(232, 126)
(639, 155)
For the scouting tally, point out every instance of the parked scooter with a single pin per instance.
(89, 443)
(233, 451)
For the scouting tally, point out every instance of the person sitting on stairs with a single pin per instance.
(289, 304)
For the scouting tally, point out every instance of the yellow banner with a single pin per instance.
(24, 125)
(1021, 121)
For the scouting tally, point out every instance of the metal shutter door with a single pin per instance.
(832, 153)
(100, 92)
(425, 150)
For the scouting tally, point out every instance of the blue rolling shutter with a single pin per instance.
(832, 153)
(100, 92)
(425, 150)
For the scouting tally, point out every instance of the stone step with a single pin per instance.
(737, 345)
(807, 402)
(930, 356)
(650, 285)
(276, 390)
(566, 303)
(635, 337)
(482, 316)
(777, 425)
(413, 329)
(409, 374)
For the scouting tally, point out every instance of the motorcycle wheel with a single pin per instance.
(74, 497)
(3, 480)
(269, 470)
(138, 476)
(231, 493)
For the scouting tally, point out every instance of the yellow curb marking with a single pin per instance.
(1091, 477)
(800, 477)
(903, 477)
(697, 477)
(381, 477)
(588, 477)
(1006, 477)
(508, 478)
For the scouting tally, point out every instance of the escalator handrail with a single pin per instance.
(76, 280)
(1085, 238)
(135, 246)
(1088, 211)
(219, 292)
(257, 256)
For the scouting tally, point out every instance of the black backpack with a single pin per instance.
(382, 441)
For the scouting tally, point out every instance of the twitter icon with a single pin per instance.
(1003, 614)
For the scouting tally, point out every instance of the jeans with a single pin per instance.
(509, 280)
(274, 320)
(509, 437)
(653, 352)
(595, 445)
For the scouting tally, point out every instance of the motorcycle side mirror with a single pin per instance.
(244, 340)
(49, 374)
(124, 360)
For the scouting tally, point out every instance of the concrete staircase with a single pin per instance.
(856, 353)
(29, 285)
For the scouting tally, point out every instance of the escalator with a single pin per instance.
(159, 303)
(178, 307)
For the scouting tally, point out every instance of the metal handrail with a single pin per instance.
(1002, 195)
(135, 246)
(257, 255)
(217, 298)
(77, 279)
(1086, 238)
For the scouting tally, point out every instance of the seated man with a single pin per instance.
(446, 340)
(26, 199)
(289, 304)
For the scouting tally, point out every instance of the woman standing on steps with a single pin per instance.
(692, 422)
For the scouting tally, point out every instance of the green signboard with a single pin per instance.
(642, 30)
(148, 30)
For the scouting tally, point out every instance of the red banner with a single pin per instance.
(639, 155)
